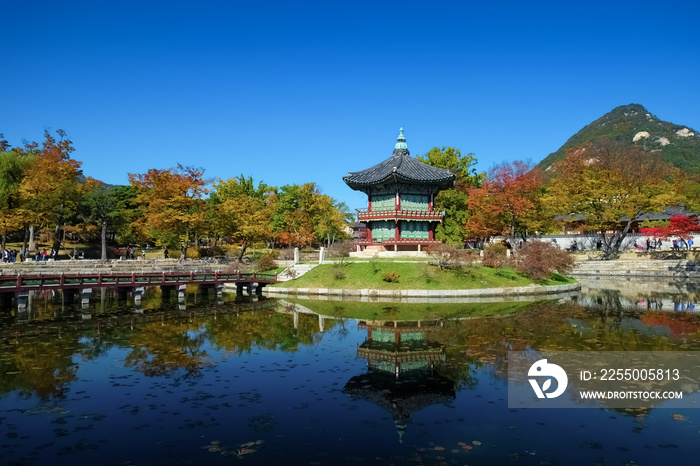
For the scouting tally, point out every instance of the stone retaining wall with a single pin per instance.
(514, 291)
(638, 268)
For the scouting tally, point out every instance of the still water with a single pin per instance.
(215, 380)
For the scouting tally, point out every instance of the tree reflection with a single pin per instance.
(162, 348)
(43, 366)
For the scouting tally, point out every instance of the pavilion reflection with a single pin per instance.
(403, 369)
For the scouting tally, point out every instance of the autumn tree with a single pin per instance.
(678, 226)
(14, 166)
(454, 201)
(606, 189)
(243, 211)
(171, 205)
(51, 192)
(507, 202)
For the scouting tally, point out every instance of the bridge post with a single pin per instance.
(296, 319)
(239, 289)
(85, 297)
(181, 293)
(22, 298)
(252, 288)
(322, 255)
(320, 322)
(219, 289)
(296, 255)
(138, 293)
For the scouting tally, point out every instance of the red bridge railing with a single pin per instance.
(42, 281)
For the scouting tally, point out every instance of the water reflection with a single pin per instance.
(403, 369)
(205, 379)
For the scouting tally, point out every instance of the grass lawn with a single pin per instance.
(413, 276)
(408, 311)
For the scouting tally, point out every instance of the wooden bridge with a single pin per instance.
(15, 283)
(71, 283)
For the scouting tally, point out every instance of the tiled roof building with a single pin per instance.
(400, 199)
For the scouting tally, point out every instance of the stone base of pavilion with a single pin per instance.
(368, 253)
(394, 250)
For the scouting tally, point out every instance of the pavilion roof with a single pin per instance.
(400, 168)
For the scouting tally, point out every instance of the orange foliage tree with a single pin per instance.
(171, 205)
(507, 202)
(50, 192)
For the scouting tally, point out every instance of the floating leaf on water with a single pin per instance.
(476, 442)
(260, 442)
(461, 444)
(439, 448)
(467, 447)
(679, 417)
(248, 444)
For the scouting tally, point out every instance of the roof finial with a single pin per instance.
(401, 141)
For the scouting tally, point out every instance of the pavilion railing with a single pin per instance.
(434, 215)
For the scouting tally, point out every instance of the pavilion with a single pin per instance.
(400, 190)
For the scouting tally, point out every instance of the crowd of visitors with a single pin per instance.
(23, 255)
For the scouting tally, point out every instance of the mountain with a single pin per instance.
(633, 125)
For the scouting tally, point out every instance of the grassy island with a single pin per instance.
(414, 276)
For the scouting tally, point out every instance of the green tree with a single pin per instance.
(243, 211)
(454, 201)
(104, 207)
(14, 166)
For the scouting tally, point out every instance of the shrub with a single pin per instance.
(390, 277)
(537, 260)
(338, 272)
(495, 255)
(265, 263)
(341, 250)
(447, 256)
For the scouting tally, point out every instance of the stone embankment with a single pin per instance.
(682, 268)
(501, 292)
(111, 266)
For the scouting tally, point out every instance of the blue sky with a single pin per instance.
(297, 91)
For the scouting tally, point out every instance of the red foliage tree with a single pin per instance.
(505, 201)
(680, 226)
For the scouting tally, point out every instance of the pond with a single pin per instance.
(211, 380)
